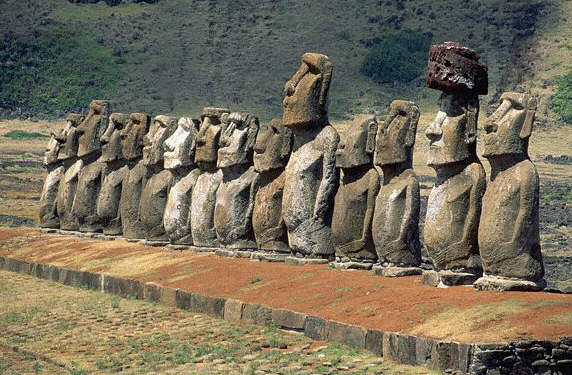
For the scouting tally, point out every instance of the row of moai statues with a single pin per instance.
(297, 186)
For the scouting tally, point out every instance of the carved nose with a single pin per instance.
(433, 132)
(491, 127)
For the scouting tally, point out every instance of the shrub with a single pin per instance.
(562, 99)
(400, 57)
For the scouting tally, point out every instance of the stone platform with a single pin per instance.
(457, 328)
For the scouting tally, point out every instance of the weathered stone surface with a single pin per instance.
(310, 176)
(235, 195)
(399, 271)
(301, 261)
(271, 153)
(447, 278)
(345, 333)
(48, 199)
(289, 319)
(158, 181)
(396, 217)
(233, 310)
(179, 160)
(92, 128)
(269, 257)
(509, 240)
(183, 299)
(122, 287)
(315, 328)
(156, 293)
(203, 198)
(399, 347)
(114, 172)
(355, 198)
(212, 306)
(132, 187)
(505, 284)
(352, 265)
(374, 341)
(454, 204)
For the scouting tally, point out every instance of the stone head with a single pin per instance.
(111, 138)
(69, 137)
(357, 144)
(92, 127)
(306, 93)
(180, 146)
(272, 147)
(509, 127)
(208, 136)
(453, 134)
(53, 148)
(236, 144)
(396, 135)
(132, 135)
(153, 141)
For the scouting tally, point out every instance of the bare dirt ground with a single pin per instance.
(48, 328)
(355, 297)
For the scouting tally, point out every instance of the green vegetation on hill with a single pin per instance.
(562, 100)
(22, 134)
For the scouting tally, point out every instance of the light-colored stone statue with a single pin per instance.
(235, 195)
(271, 153)
(396, 218)
(180, 161)
(132, 187)
(509, 240)
(90, 175)
(203, 199)
(158, 180)
(114, 172)
(355, 198)
(454, 205)
(310, 176)
(48, 210)
(68, 184)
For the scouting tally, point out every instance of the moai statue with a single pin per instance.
(114, 172)
(180, 161)
(132, 187)
(158, 180)
(396, 218)
(90, 176)
(310, 176)
(454, 205)
(355, 199)
(68, 184)
(235, 195)
(509, 240)
(203, 199)
(48, 211)
(271, 153)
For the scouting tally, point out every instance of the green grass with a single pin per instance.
(562, 99)
(22, 134)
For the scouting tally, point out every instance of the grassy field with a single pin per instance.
(48, 328)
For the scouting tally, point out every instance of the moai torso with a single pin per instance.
(310, 176)
(235, 195)
(114, 172)
(158, 180)
(90, 176)
(509, 240)
(132, 186)
(68, 182)
(271, 153)
(396, 218)
(179, 160)
(48, 209)
(454, 204)
(203, 199)
(355, 197)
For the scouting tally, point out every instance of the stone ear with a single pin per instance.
(412, 121)
(286, 135)
(253, 126)
(471, 124)
(526, 129)
(371, 134)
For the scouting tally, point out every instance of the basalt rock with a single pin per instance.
(48, 210)
(310, 175)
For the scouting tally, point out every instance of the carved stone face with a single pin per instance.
(132, 135)
(52, 150)
(452, 135)
(510, 126)
(92, 127)
(305, 94)
(356, 145)
(111, 139)
(153, 141)
(272, 147)
(237, 140)
(69, 137)
(396, 136)
(180, 147)
(208, 136)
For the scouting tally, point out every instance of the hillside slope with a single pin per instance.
(177, 56)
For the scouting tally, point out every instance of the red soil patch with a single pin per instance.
(356, 297)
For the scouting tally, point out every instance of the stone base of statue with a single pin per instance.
(49, 230)
(155, 243)
(178, 247)
(202, 249)
(269, 256)
(396, 271)
(299, 261)
(234, 253)
(69, 232)
(106, 237)
(135, 240)
(444, 279)
(504, 284)
(352, 265)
